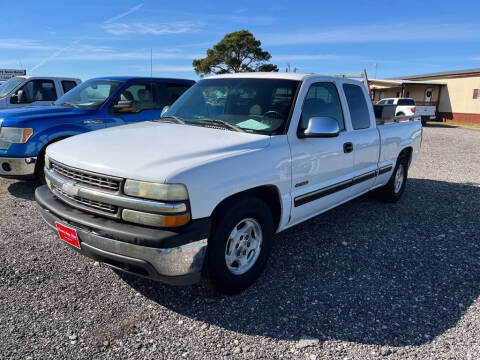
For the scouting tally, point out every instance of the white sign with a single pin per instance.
(6, 74)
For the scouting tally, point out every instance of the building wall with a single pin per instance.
(457, 96)
(416, 92)
(456, 101)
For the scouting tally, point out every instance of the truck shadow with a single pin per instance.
(23, 189)
(367, 272)
(440, 125)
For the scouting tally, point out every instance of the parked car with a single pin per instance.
(95, 104)
(235, 160)
(22, 91)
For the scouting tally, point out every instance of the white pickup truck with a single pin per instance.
(21, 91)
(407, 107)
(236, 159)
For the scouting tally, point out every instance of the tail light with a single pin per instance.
(413, 110)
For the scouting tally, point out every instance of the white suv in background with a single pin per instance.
(405, 106)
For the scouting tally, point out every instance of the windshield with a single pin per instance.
(9, 85)
(90, 94)
(252, 105)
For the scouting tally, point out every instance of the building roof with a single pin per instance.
(400, 82)
(453, 73)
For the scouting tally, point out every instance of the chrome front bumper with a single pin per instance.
(176, 265)
(17, 166)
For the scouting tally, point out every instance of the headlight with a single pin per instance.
(47, 161)
(146, 190)
(15, 135)
(1, 121)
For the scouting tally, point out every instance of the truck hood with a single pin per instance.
(151, 151)
(19, 116)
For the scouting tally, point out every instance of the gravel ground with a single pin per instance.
(367, 280)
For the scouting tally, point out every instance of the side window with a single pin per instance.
(357, 106)
(39, 90)
(390, 102)
(68, 85)
(143, 96)
(406, 102)
(322, 100)
(174, 91)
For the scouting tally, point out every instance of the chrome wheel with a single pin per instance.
(243, 246)
(397, 185)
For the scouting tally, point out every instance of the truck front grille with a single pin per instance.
(87, 204)
(84, 177)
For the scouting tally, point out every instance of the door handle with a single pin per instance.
(347, 147)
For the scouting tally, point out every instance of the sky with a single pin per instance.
(88, 38)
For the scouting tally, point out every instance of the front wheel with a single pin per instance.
(393, 190)
(239, 246)
(40, 169)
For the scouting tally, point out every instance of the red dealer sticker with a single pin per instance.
(68, 235)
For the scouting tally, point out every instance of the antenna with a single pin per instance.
(151, 72)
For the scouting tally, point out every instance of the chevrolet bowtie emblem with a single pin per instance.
(70, 189)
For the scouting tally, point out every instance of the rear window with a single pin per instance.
(174, 91)
(357, 106)
(406, 102)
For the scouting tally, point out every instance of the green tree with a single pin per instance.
(238, 51)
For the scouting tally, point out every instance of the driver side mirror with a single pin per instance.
(124, 107)
(18, 98)
(320, 127)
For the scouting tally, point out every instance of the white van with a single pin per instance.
(21, 91)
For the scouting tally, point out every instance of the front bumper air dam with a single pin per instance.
(12, 167)
(180, 264)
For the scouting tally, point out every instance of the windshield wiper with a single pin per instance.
(225, 124)
(172, 117)
(69, 104)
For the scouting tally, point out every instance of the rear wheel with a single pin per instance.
(393, 190)
(239, 246)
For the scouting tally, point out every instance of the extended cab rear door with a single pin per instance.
(321, 167)
(364, 136)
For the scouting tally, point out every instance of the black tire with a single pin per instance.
(400, 114)
(390, 192)
(40, 169)
(218, 274)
